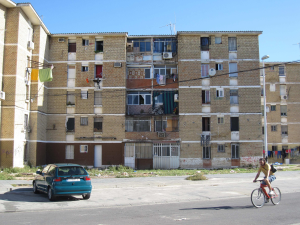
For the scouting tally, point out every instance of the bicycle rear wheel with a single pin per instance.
(258, 198)
(277, 197)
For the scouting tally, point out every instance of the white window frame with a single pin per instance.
(221, 148)
(219, 66)
(138, 94)
(220, 93)
(85, 42)
(204, 70)
(84, 68)
(162, 70)
(83, 121)
(84, 94)
(272, 87)
(84, 148)
(220, 120)
(69, 152)
(219, 40)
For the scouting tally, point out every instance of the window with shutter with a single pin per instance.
(97, 98)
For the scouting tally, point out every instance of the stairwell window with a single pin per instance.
(98, 121)
(72, 46)
(284, 130)
(205, 97)
(205, 42)
(283, 110)
(99, 46)
(204, 70)
(232, 44)
(70, 124)
(235, 151)
(234, 124)
(281, 71)
(97, 98)
(70, 97)
(206, 152)
(205, 123)
(234, 98)
(69, 151)
(233, 70)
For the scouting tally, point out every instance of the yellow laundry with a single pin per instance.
(34, 74)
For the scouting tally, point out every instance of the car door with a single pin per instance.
(41, 180)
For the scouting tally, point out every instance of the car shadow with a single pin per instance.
(27, 195)
(222, 207)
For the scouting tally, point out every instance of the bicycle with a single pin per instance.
(260, 196)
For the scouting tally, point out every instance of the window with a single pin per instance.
(84, 68)
(25, 121)
(159, 99)
(98, 124)
(220, 93)
(97, 98)
(99, 46)
(234, 123)
(206, 152)
(234, 98)
(139, 98)
(233, 70)
(70, 124)
(282, 89)
(219, 66)
(274, 128)
(283, 110)
(138, 124)
(273, 107)
(45, 170)
(221, 148)
(218, 40)
(147, 74)
(235, 151)
(83, 121)
(165, 70)
(232, 44)
(281, 71)
(164, 45)
(83, 148)
(272, 87)
(262, 110)
(69, 151)
(51, 171)
(274, 148)
(284, 130)
(161, 125)
(220, 120)
(141, 45)
(72, 46)
(204, 70)
(205, 97)
(70, 97)
(98, 71)
(85, 42)
(205, 41)
(84, 94)
(205, 123)
(263, 130)
(272, 68)
(261, 92)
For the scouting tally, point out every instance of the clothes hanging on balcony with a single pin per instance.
(45, 75)
(157, 78)
(34, 74)
(278, 154)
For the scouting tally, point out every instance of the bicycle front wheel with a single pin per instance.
(277, 197)
(258, 198)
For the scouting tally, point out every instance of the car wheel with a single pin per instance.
(86, 196)
(34, 187)
(51, 197)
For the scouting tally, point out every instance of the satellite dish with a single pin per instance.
(212, 72)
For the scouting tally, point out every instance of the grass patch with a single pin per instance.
(198, 176)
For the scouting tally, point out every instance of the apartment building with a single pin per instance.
(152, 120)
(220, 119)
(282, 100)
(23, 37)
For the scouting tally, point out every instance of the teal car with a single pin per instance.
(63, 180)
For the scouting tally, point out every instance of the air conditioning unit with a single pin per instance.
(117, 64)
(284, 97)
(161, 134)
(61, 40)
(167, 55)
(30, 45)
(2, 95)
(176, 98)
(83, 149)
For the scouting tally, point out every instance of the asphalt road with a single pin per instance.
(225, 211)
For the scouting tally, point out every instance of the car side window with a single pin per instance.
(51, 171)
(45, 170)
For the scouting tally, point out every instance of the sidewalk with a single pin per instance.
(142, 191)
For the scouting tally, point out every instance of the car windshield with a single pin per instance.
(71, 170)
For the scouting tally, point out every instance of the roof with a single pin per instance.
(219, 32)
(8, 3)
(91, 33)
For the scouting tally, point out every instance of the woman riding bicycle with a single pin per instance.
(269, 176)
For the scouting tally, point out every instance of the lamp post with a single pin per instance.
(265, 105)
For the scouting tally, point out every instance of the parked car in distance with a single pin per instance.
(63, 180)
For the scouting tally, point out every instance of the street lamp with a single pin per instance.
(265, 105)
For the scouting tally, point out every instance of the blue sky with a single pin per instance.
(279, 20)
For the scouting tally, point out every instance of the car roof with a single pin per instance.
(65, 164)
